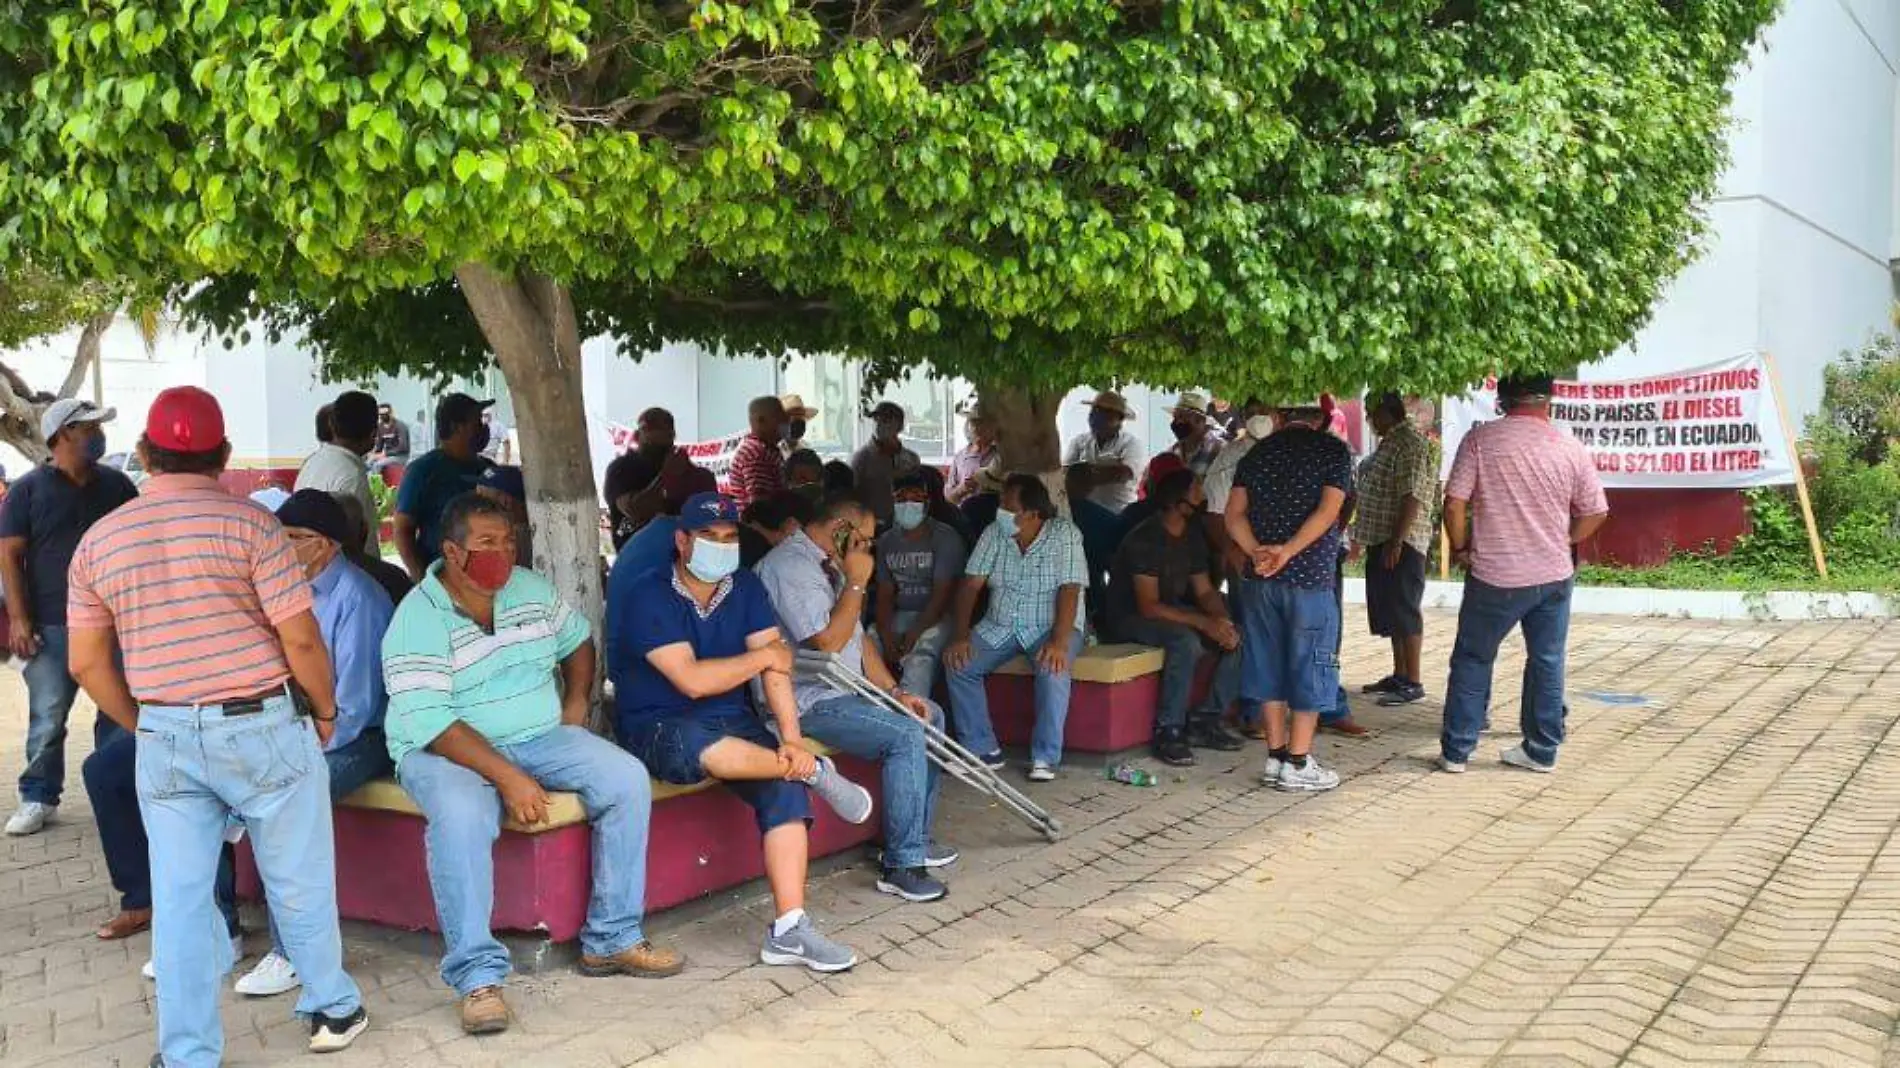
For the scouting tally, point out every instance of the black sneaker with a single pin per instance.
(330, 1034)
(911, 884)
(1171, 747)
(994, 761)
(1207, 733)
(1386, 685)
(1407, 693)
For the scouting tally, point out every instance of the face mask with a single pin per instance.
(1259, 426)
(1183, 429)
(95, 448)
(483, 434)
(1101, 423)
(1006, 522)
(908, 514)
(794, 430)
(712, 561)
(657, 449)
(311, 556)
(488, 569)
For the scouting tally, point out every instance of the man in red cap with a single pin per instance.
(198, 593)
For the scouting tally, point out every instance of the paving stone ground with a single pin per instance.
(1711, 877)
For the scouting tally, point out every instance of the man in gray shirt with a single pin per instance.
(918, 563)
(878, 464)
(816, 580)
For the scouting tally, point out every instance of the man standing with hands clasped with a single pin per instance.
(1283, 514)
(215, 743)
(1536, 495)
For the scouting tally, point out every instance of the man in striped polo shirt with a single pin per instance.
(200, 595)
(489, 675)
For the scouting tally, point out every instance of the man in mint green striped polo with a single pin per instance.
(489, 674)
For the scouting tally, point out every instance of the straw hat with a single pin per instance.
(1190, 403)
(1110, 401)
(796, 408)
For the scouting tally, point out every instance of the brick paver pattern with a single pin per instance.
(1710, 877)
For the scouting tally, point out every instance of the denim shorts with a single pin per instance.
(1290, 645)
(670, 747)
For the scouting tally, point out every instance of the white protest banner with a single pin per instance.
(715, 455)
(1713, 427)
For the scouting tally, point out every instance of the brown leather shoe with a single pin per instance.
(644, 960)
(484, 1012)
(125, 925)
(1347, 728)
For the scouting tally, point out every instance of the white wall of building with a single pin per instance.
(1807, 222)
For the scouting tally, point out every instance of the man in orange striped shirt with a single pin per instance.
(198, 593)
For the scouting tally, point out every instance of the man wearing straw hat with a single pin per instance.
(1115, 454)
(798, 416)
(1196, 442)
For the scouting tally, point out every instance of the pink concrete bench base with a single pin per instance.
(700, 843)
(1104, 717)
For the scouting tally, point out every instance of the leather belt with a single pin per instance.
(246, 706)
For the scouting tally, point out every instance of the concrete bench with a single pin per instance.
(702, 840)
(1111, 706)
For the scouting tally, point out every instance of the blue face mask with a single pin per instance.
(1006, 522)
(95, 448)
(1101, 423)
(712, 561)
(908, 514)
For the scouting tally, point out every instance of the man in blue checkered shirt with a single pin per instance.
(1032, 563)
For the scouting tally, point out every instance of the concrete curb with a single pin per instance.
(1688, 604)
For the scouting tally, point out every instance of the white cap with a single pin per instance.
(64, 413)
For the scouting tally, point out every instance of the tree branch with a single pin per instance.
(86, 354)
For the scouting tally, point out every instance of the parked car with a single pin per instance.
(127, 462)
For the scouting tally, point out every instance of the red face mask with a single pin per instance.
(488, 569)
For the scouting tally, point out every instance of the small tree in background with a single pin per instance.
(1275, 196)
(36, 304)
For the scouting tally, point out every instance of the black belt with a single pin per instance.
(248, 706)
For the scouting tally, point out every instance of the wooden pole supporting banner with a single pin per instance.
(1800, 470)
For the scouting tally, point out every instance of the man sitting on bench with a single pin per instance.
(683, 642)
(478, 729)
(816, 581)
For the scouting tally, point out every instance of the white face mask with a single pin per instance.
(1259, 426)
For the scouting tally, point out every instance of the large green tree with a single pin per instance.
(1267, 196)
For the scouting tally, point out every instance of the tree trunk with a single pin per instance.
(21, 406)
(1026, 434)
(529, 321)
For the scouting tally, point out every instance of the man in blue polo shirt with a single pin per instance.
(478, 727)
(683, 643)
(439, 476)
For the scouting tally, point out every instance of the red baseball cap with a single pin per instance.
(185, 419)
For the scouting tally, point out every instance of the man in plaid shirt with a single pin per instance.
(1397, 491)
(1032, 562)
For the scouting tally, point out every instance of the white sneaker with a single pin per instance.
(1041, 772)
(237, 953)
(1310, 779)
(1271, 775)
(30, 818)
(1449, 767)
(273, 975)
(1518, 758)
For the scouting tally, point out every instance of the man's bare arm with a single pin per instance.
(91, 657)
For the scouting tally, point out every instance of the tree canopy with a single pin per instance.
(1253, 196)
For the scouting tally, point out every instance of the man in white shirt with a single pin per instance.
(1115, 454)
(338, 467)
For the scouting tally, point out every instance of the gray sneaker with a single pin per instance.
(1516, 757)
(850, 801)
(1310, 779)
(804, 945)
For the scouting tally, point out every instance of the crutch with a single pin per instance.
(944, 751)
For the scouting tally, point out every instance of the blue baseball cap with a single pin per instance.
(504, 478)
(705, 510)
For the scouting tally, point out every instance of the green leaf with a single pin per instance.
(370, 19)
(465, 165)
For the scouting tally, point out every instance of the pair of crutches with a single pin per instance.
(944, 751)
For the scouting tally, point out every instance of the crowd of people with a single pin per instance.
(465, 675)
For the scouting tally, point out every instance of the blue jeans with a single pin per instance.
(111, 777)
(1484, 619)
(970, 702)
(49, 698)
(1182, 647)
(464, 814)
(896, 742)
(364, 759)
(918, 671)
(195, 768)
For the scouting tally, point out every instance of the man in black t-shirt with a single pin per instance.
(46, 513)
(1161, 593)
(632, 487)
(1283, 514)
